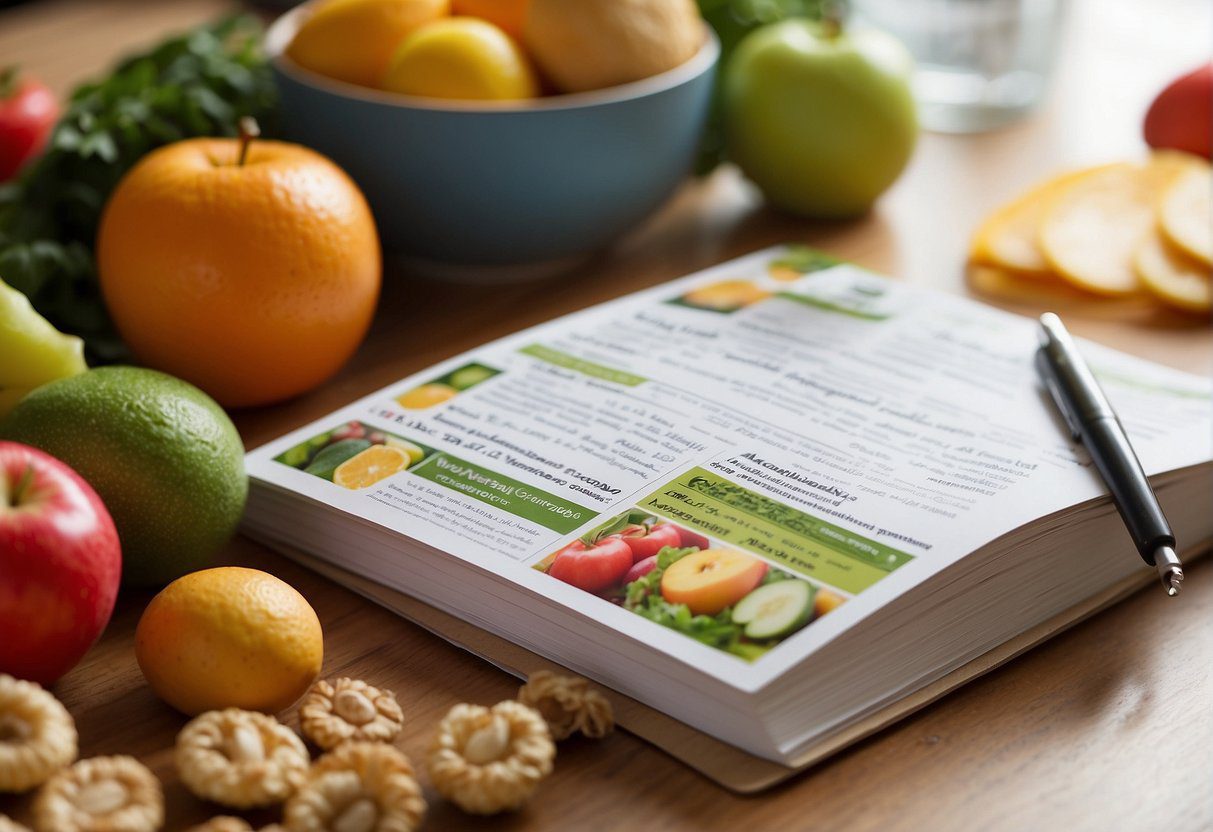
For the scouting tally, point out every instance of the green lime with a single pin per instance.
(165, 459)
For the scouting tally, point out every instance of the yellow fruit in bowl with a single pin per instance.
(510, 15)
(464, 58)
(353, 40)
(229, 637)
(427, 395)
(592, 44)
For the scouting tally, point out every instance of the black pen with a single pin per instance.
(1093, 422)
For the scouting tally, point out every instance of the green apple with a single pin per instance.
(32, 352)
(821, 120)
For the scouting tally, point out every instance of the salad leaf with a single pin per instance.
(198, 84)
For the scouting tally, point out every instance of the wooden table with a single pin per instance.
(1106, 727)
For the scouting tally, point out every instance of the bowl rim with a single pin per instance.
(282, 31)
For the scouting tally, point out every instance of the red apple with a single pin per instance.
(646, 541)
(640, 569)
(689, 538)
(60, 564)
(27, 116)
(1181, 117)
(593, 565)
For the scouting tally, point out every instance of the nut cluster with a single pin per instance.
(568, 704)
(349, 710)
(488, 760)
(358, 787)
(101, 794)
(240, 758)
(37, 735)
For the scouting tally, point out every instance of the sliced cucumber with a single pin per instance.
(775, 610)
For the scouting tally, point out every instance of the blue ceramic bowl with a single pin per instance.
(522, 186)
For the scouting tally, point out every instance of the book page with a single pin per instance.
(733, 467)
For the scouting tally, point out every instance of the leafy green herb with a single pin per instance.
(733, 20)
(199, 84)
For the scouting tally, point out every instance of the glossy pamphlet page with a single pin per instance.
(737, 466)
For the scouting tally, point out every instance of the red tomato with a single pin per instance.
(27, 115)
(640, 569)
(646, 542)
(592, 568)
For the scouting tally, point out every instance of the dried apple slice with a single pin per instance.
(1174, 277)
(1010, 237)
(1091, 231)
(1186, 213)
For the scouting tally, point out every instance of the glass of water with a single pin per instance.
(981, 63)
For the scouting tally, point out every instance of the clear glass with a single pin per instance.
(981, 63)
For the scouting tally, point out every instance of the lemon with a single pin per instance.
(229, 637)
(461, 57)
(591, 44)
(414, 452)
(353, 40)
(427, 395)
(369, 467)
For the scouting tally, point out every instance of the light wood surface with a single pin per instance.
(1106, 727)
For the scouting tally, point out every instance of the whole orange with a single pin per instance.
(509, 15)
(255, 279)
(229, 637)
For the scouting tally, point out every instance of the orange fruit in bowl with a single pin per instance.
(461, 57)
(254, 278)
(510, 15)
(353, 40)
(229, 637)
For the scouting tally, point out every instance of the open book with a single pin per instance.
(767, 499)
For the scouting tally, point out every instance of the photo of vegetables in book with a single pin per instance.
(354, 456)
(444, 388)
(676, 577)
(798, 261)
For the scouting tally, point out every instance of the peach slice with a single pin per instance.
(1174, 277)
(1091, 231)
(1010, 236)
(712, 579)
(1186, 213)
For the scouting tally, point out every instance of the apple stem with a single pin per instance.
(249, 130)
(832, 14)
(27, 477)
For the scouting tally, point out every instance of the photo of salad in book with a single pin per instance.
(770, 500)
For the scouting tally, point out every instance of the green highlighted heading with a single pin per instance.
(586, 368)
(511, 496)
(752, 521)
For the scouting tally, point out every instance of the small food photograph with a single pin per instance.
(725, 296)
(676, 577)
(354, 456)
(444, 388)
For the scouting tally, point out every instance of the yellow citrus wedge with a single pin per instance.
(1174, 277)
(1186, 214)
(727, 294)
(1009, 288)
(1091, 231)
(427, 395)
(370, 466)
(1010, 237)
